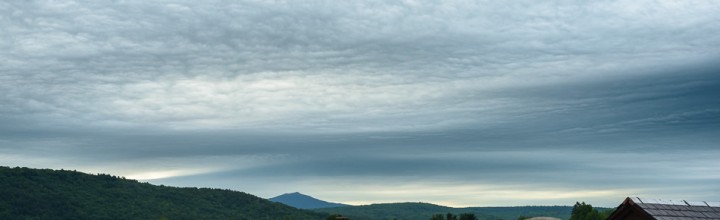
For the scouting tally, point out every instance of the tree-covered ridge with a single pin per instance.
(393, 211)
(27, 193)
(513, 212)
(408, 211)
(450, 216)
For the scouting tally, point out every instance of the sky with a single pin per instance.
(458, 103)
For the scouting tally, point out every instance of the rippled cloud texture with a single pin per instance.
(462, 103)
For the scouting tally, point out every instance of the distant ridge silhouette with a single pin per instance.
(302, 201)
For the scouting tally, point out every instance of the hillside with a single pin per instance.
(399, 211)
(58, 194)
(302, 201)
(406, 211)
(512, 213)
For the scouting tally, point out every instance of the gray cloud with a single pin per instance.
(562, 95)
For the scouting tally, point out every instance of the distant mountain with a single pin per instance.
(302, 201)
(27, 193)
(411, 211)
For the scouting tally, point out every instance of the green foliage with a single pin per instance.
(605, 214)
(468, 216)
(437, 217)
(450, 216)
(561, 212)
(406, 211)
(582, 211)
(47, 194)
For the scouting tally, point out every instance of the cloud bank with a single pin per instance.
(596, 100)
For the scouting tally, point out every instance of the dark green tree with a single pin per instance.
(468, 216)
(582, 211)
(450, 216)
(606, 213)
(437, 217)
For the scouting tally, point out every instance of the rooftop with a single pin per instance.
(678, 209)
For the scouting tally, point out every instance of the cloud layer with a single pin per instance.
(580, 98)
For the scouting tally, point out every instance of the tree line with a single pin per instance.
(450, 216)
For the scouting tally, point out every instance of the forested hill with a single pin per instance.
(400, 211)
(403, 211)
(27, 193)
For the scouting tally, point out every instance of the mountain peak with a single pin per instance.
(302, 201)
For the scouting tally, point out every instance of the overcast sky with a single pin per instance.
(459, 103)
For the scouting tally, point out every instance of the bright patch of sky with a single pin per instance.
(453, 102)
